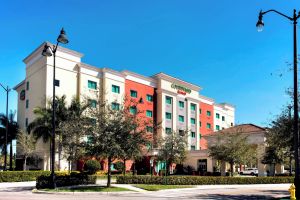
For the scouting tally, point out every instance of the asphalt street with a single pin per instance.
(23, 191)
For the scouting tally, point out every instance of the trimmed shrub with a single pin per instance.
(119, 166)
(201, 180)
(19, 176)
(65, 180)
(92, 166)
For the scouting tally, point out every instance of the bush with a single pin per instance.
(18, 176)
(92, 166)
(65, 180)
(201, 180)
(119, 166)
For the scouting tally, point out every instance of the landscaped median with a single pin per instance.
(161, 187)
(201, 180)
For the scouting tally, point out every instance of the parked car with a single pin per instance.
(250, 171)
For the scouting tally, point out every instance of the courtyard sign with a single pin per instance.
(181, 89)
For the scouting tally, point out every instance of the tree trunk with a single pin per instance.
(231, 169)
(59, 152)
(124, 167)
(109, 172)
(291, 166)
(11, 156)
(24, 164)
(134, 171)
(167, 167)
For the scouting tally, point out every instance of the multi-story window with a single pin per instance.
(193, 107)
(200, 110)
(200, 123)
(193, 121)
(115, 89)
(208, 113)
(208, 125)
(149, 113)
(149, 98)
(168, 100)
(92, 103)
(231, 124)
(168, 130)
(57, 83)
(115, 106)
(217, 127)
(132, 110)
(181, 118)
(168, 115)
(217, 115)
(223, 118)
(181, 104)
(193, 134)
(92, 85)
(26, 122)
(27, 103)
(133, 93)
(27, 85)
(149, 129)
(193, 147)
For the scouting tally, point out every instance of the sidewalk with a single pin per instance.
(17, 184)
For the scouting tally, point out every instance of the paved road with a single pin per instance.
(22, 191)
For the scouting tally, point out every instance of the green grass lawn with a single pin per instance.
(161, 187)
(88, 189)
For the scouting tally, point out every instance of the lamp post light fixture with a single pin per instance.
(294, 20)
(7, 90)
(49, 51)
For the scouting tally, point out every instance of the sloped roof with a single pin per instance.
(242, 128)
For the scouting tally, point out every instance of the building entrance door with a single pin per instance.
(202, 166)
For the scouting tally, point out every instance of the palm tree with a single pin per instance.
(13, 129)
(41, 126)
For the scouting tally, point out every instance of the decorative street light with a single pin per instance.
(7, 90)
(49, 51)
(294, 19)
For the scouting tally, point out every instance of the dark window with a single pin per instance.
(133, 93)
(92, 85)
(27, 85)
(57, 83)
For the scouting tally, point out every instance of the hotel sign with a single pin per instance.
(181, 89)
(22, 95)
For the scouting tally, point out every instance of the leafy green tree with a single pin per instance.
(111, 128)
(13, 129)
(73, 129)
(173, 148)
(27, 145)
(232, 148)
(280, 139)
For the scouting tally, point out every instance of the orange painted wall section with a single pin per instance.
(204, 120)
(142, 91)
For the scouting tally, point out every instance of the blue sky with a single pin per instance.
(211, 43)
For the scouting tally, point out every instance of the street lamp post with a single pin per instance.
(260, 26)
(49, 51)
(7, 90)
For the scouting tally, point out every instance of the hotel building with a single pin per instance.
(175, 103)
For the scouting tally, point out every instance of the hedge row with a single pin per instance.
(18, 176)
(201, 180)
(65, 180)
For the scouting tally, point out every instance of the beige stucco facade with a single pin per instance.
(74, 76)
